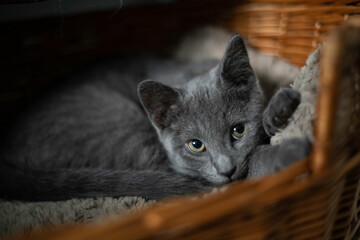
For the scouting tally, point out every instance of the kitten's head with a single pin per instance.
(209, 127)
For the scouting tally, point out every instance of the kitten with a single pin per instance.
(202, 127)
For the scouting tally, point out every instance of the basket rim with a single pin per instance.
(151, 221)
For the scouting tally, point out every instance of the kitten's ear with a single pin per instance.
(157, 99)
(235, 68)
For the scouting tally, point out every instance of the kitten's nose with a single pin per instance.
(229, 173)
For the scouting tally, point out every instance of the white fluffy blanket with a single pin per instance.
(306, 82)
(20, 216)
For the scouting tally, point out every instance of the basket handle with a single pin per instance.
(326, 101)
(331, 70)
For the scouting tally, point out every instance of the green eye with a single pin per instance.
(238, 131)
(196, 146)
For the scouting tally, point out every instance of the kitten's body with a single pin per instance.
(97, 122)
(93, 138)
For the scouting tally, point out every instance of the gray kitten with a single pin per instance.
(203, 126)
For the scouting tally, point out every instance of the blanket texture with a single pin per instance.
(20, 216)
(306, 81)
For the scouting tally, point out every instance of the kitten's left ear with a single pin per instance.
(158, 99)
(235, 69)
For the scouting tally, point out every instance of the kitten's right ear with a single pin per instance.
(157, 99)
(235, 69)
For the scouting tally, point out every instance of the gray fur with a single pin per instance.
(281, 107)
(267, 159)
(93, 139)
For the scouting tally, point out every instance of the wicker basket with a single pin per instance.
(317, 198)
(289, 29)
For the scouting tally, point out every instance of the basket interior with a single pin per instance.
(321, 205)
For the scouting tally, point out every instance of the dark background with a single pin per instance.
(42, 40)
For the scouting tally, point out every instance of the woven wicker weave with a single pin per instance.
(289, 29)
(317, 198)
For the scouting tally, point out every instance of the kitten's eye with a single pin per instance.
(238, 131)
(196, 146)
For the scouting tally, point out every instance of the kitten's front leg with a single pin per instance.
(291, 151)
(268, 159)
(280, 108)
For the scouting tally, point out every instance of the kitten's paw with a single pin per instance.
(279, 110)
(291, 151)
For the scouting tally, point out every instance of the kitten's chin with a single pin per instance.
(241, 174)
(219, 180)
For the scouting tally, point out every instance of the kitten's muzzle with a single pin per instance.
(242, 174)
(229, 173)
